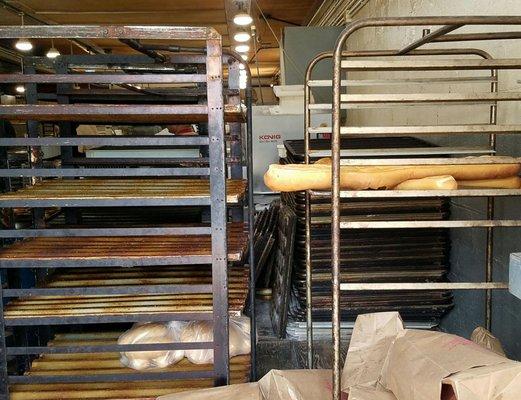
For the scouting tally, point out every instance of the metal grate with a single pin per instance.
(122, 189)
(120, 251)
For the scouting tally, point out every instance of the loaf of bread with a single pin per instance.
(150, 333)
(202, 331)
(295, 177)
(445, 182)
(511, 182)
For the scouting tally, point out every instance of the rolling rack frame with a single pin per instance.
(309, 130)
(214, 112)
(342, 62)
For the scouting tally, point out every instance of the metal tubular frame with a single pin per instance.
(309, 130)
(338, 66)
(213, 111)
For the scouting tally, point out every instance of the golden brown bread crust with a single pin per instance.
(512, 182)
(444, 182)
(295, 177)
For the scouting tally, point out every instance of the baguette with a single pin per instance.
(445, 182)
(512, 182)
(295, 177)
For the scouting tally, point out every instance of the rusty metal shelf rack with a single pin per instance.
(346, 61)
(70, 247)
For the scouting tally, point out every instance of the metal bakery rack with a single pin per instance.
(126, 246)
(346, 64)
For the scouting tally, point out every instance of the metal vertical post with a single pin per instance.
(26, 276)
(309, 270)
(35, 153)
(251, 212)
(61, 67)
(235, 132)
(335, 215)
(218, 209)
(4, 384)
(489, 255)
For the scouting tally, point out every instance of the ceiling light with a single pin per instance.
(23, 45)
(242, 66)
(242, 19)
(241, 36)
(242, 48)
(244, 57)
(20, 89)
(53, 51)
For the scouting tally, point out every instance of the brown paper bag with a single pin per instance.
(485, 339)
(298, 384)
(243, 391)
(371, 340)
(419, 361)
(493, 382)
(369, 393)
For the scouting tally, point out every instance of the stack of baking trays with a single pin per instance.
(415, 255)
(130, 240)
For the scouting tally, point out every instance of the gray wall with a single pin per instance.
(468, 246)
(301, 45)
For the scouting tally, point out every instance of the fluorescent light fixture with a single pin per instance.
(20, 89)
(23, 45)
(242, 48)
(242, 19)
(241, 36)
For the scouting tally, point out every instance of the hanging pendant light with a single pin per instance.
(20, 89)
(53, 51)
(23, 44)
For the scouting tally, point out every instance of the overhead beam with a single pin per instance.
(83, 44)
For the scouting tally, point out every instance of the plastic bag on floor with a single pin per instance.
(149, 333)
(202, 331)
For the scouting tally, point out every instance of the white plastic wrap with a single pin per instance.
(149, 333)
(202, 331)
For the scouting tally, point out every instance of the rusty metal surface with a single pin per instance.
(45, 306)
(126, 248)
(100, 363)
(106, 189)
(112, 113)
